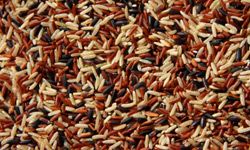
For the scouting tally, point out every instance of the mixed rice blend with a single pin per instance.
(125, 74)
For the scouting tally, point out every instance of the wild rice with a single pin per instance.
(124, 74)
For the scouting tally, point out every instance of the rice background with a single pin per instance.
(125, 74)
